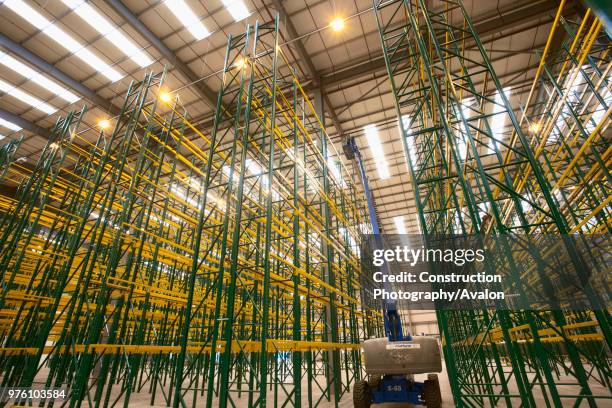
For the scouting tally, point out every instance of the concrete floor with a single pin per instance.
(347, 401)
(143, 398)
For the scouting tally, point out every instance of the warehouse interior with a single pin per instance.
(180, 224)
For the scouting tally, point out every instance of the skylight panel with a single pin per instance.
(336, 171)
(409, 140)
(457, 223)
(59, 36)
(498, 122)
(237, 9)
(111, 32)
(26, 98)
(253, 166)
(564, 115)
(467, 111)
(179, 192)
(9, 125)
(466, 107)
(36, 77)
(255, 169)
(599, 113)
(400, 225)
(228, 171)
(350, 240)
(378, 154)
(188, 18)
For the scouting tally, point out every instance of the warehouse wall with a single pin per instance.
(420, 322)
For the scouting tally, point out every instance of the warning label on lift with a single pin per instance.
(402, 345)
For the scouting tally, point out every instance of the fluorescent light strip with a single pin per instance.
(59, 36)
(9, 125)
(187, 17)
(378, 155)
(399, 225)
(111, 32)
(499, 120)
(237, 9)
(36, 77)
(409, 140)
(26, 98)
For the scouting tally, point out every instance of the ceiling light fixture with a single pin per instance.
(237, 9)
(378, 154)
(36, 77)
(188, 18)
(337, 24)
(535, 127)
(240, 63)
(110, 31)
(165, 97)
(26, 98)
(59, 36)
(104, 124)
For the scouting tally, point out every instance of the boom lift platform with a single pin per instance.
(392, 361)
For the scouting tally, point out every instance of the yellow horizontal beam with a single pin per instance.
(272, 345)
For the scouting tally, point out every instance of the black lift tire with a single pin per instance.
(362, 396)
(431, 392)
(375, 382)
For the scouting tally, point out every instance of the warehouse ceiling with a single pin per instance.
(346, 66)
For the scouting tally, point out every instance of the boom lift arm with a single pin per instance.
(392, 360)
(393, 323)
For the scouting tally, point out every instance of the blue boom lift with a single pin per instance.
(392, 361)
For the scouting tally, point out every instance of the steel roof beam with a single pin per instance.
(44, 66)
(377, 65)
(25, 124)
(312, 71)
(520, 14)
(209, 95)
